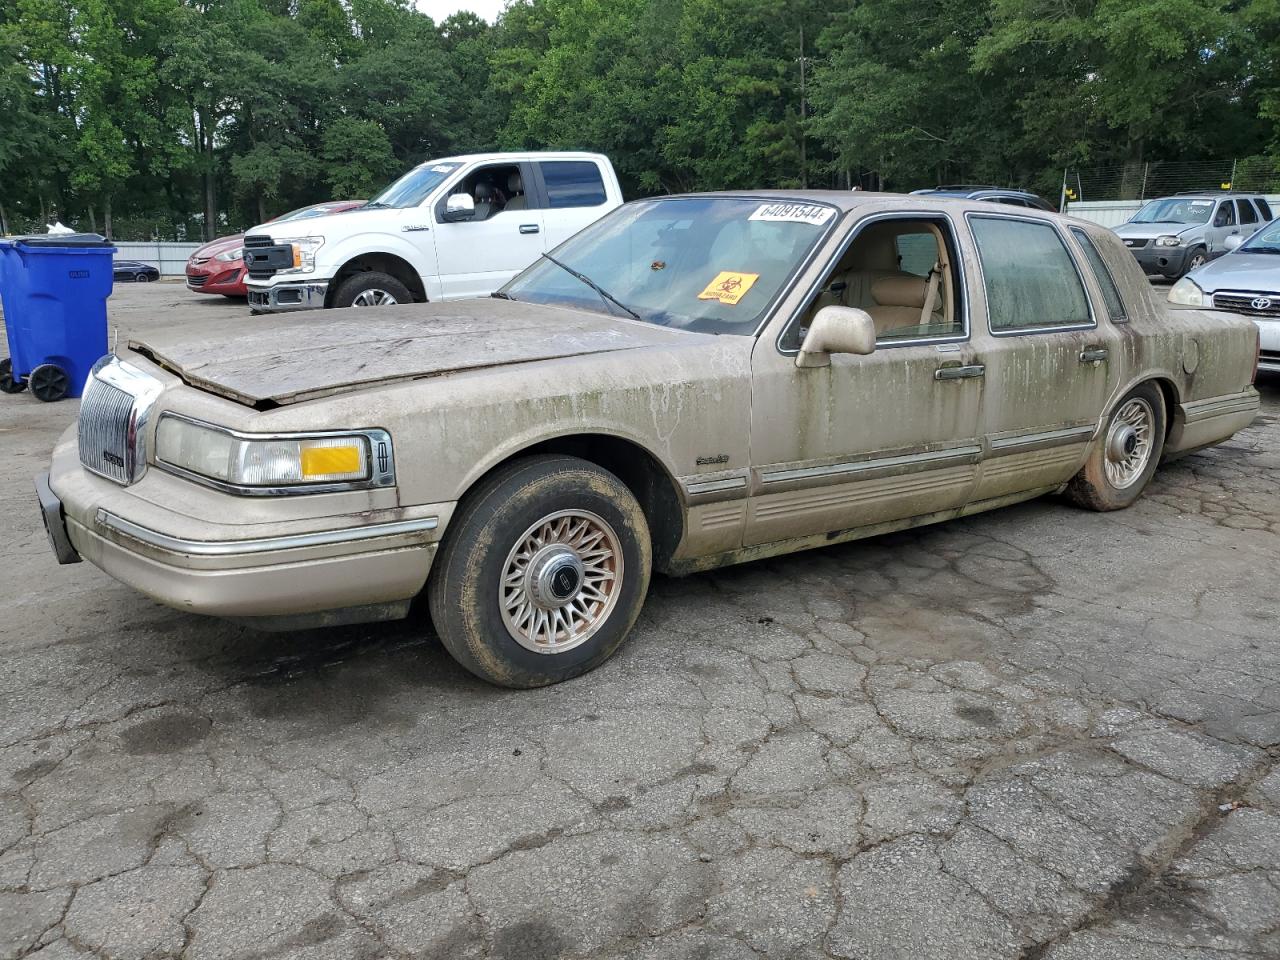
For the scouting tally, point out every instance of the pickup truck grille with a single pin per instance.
(1250, 304)
(263, 258)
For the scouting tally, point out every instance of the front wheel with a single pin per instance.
(1122, 462)
(543, 572)
(1196, 258)
(371, 289)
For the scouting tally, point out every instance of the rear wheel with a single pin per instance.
(1125, 457)
(8, 382)
(371, 289)
(49, 382)
(543, 572)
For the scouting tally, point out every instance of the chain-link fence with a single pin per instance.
(1158, 178)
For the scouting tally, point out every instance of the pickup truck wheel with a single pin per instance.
(1125, 457)
(371, 289)
(542, 573)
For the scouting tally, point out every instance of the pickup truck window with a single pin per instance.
(573, 183)
(415, 186)
(712, 265)
(1115, 306)
(1031, 281)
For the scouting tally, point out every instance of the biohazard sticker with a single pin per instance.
(813, 213)
(729, 286)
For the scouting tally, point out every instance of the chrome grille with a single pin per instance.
(1252, 304)
(105, 416)
(113, 416)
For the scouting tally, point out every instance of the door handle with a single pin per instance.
(529, 228)
(1094, 354)
(960, 373)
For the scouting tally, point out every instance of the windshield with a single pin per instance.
(415, 186)
(1174, 211)
(709, 264)
(1266, 240)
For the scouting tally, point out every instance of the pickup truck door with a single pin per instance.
(478, 256)
(1051, 355)
(574, 195)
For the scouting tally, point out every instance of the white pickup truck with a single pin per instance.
(450, 228)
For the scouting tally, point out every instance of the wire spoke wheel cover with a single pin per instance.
(1129, 442)
(374, 298)
(561, 581)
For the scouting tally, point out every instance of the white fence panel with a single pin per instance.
(169, 258)
(1112, 213)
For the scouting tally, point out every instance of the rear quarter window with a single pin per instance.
(1110, 293)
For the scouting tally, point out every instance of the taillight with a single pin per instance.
(1257, 354)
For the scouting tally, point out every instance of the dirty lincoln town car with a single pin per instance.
(689, 382)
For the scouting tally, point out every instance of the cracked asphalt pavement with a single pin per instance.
(1038, 733)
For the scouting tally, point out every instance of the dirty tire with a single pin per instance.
(494, 518)
(370, 284)
(1094, 487)
(8, 382)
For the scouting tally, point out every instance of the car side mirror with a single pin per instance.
(1233, 242)
(837, 329)
(459, 207)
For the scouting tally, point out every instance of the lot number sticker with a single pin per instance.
(793, 213)
(729, 286)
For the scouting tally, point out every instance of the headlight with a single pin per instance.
(1187, 293)
(1168, 241)
(304, 253)
(229, 255)
(276, 463)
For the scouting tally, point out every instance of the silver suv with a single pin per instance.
(1173, 235)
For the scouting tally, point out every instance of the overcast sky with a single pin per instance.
(439, 9)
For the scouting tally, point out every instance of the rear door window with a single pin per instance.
(1263, 207)
(1031, 280)
(1115, 305)
(1245, 209)
(572, 183)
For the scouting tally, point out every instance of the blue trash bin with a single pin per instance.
(54, 292)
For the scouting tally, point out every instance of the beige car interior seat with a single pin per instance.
(870, 277)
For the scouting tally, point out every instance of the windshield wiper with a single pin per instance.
(499, 295)
(594, 286)
(375, 204)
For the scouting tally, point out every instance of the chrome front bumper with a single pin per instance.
(282, 297)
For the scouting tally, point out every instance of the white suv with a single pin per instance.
(450, 228)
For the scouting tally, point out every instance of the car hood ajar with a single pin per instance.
(314, 354)
(1240, 271)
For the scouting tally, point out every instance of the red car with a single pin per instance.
(218, 266)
